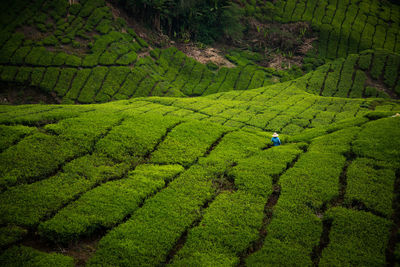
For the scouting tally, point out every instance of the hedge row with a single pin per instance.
(356, 237)
(26, 256)
(223, 233)
(148, 236)
(345, 27)
(371, 183)
(10, 135)
(388, 147)
(313, 181)
(186, 142)
(43, 152)
(107, 205)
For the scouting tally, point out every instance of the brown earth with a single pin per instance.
(18, 94)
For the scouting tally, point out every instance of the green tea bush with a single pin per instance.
(283, 245)
(50, 79)
(392, 70)
(108, 58)
(9, 73)
(104, 26)
(91, 60)
(388, 146)
(59, 59)
(186, 142)
(127, 59)
(50, 40)
(123, 197)
(378, 63)
(356, 237)
(89, 6)
(92, 85)
(148, 236)
(21, 255)
(365, 61)
(73, 61)
(20, 54)
(346, 76)
(10, 47)
(129, 85)
(23, 75)
(20, 204)
(130, 141)
(357, 90)
(254, 174)
(222, 232)
(38, 155)
(37, 76)
(11, 234)
(370, 183)
(64, 81)
(34, 56)
(112, 83)
(332, 79)
(78, 83)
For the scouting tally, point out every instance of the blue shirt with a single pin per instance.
(276, 141)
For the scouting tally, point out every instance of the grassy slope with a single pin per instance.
(195, 181)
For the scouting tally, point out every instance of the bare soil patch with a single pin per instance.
(15, 94)
(210, 54)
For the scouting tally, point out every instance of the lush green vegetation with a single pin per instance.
(144, 175)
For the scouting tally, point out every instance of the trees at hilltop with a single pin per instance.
(200, 20)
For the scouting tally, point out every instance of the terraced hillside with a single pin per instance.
(154, 177)
(369, 74)
(81, 54)
(195, 181)
(347, 27)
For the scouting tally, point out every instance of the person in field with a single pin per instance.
(275, 139)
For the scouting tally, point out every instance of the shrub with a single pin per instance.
(73, 61)
(356, 237)
(113, 81)
(34, 56)
(127, 59)
(50, 40)
(78, 83)
(123, 197)
(392, 70)
(60, 59)
(11, 234)
(371, 183)
(37, 76)
(20, 206)
(91, 60)
(108, 58)
(223, 229)
(10, 46)
(64, 81)
(9, 73)
(182, 147)
(21, 255)
(387, 149)
(149, 235)
(92, 85)
(50, 79)
(378, 63)
(20, 54)
(365, 61)
(38, 155)
(23, 75)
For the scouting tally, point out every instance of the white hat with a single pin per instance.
(275, 135)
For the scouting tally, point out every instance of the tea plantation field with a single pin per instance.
(155, 159)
